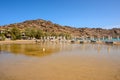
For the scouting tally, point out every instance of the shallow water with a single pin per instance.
(53, 61)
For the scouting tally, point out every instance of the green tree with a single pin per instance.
(13, 37)
(2, 37)
(46, 34)
(54, 34)
(67, 36)
(15, 33)
(30, 32)
(39, 34)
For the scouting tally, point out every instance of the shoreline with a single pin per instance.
(33, 42)
(17, 42)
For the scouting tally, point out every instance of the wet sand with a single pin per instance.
(17, 41)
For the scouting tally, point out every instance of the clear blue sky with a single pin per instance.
(76, 13)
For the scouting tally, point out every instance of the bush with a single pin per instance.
(30, 32)
(39, 34)
(2, 37)
(15, 33)
(13, 37)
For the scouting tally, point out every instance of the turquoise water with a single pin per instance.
(105, 39)
(113, 39)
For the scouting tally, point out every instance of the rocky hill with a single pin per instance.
(48, 26)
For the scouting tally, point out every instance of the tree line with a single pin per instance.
(28, 33)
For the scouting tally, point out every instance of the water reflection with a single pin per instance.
(31, 49)
(44, 49)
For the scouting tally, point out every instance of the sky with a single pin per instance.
(75, 13)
